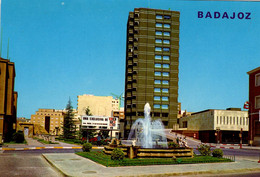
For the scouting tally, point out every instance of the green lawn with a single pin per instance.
(46, 142)
(13, 142)
(99, 157)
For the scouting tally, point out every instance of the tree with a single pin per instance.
(69, 128)
(87, 111)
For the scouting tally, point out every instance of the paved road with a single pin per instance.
(25, 164)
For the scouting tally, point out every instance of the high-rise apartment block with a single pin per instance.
(152, 60)
(8, 100)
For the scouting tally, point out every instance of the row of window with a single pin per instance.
(163, 98)
(159, 41)
(164, 57)
(164, 82)
(165, 25)
(159, 49)
(158, 73)
(167, 17)
(232, 120)
(159, 65)
(158, 106)
(159, 90)
(162, 33)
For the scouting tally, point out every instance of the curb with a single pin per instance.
(50, 147)
(234, 171)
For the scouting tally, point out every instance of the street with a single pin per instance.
(25, 165)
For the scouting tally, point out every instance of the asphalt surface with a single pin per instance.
(26, 165)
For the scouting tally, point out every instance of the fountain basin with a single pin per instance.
(138, 152)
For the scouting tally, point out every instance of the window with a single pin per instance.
(159, 17)
(166, 33)
(166, 41)
(156, 98)
(165, 98)
(165, 90)
(158, 49)
(166, 49)
(257, 79)
(157, 90)
(257, 102)
(157, 81)
(234, 121)
(156, 106)
(158, 25)
(159, 33)
(166, 57)
(165, 82)
(167, 17)
(166, 74)
(224, 120)
(220, 122)
(158, 41)
(217, 119)
(166, 25)
(165, 106)
(157, 73)
(157, 65)
(166, 66)
(158, 57)
(246, 120)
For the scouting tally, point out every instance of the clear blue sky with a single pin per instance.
(65, 48)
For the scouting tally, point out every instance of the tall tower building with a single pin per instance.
(152, 60)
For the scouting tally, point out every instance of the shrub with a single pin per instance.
(87, 147)
(18, 137)
(217, 153)
(204, 150)
(172, 145)
(117, 154)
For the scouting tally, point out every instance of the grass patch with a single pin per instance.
(99, 157)
(46, 142)
(13, 142)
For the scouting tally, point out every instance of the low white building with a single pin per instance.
(217, 125)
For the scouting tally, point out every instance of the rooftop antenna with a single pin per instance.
(7, 50)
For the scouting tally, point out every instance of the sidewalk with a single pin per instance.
(74, 165)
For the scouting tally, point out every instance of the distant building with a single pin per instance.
(152, 61)
(98, 105)
(121, 118)
(51, 119)
(214, 125)
(254, 106)
(23, 119)
(8, 100)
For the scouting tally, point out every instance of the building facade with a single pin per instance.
(8, 100)
(254, 106)
(216, 126)
(152, 60)
(51, 119)
(98, 105)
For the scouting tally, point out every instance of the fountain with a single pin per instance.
(148, 140)
(147, 133)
